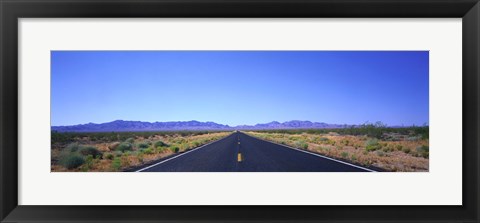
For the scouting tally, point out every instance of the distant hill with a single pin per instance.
(123, 126)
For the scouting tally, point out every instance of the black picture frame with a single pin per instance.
(12, 10)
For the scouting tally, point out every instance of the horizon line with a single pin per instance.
(232, 126)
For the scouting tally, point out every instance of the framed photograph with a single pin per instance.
(255, 111)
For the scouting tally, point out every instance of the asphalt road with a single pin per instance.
(256, 156)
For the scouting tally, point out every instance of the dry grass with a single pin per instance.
(136, 156)
(399, 156)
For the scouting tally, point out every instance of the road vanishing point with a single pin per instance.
(240, 152)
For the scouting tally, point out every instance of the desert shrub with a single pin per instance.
(118, 153)
(391, 136)
(372, 145)
(117, 163)
(93, 138)
(148, 151)
(179, 140)
(125, 160)
(130, 140)
(88, 163)
(406, 150)
(391, 148)
(414, 138)
(61, 137)
(109, 156)
(399, 147)
(90, 150)
(113, 146)
(140, 157)
(72, 147)
(175, 149)
(388, 148)
(159, 144)
(72, 161)
(125, 146)
(301, 144)
(143, 145)
(160, 149)
(196, 143)
(353, 157)
(423, 151)
(344, 155)
(380, 153)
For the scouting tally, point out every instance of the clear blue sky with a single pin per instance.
(240, 87)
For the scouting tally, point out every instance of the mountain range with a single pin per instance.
(123, 126)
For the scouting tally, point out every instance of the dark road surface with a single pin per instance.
(256, 156)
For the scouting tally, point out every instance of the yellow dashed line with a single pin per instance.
(239, 157)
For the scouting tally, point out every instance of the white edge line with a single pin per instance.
(359, 167)
(163, 161)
